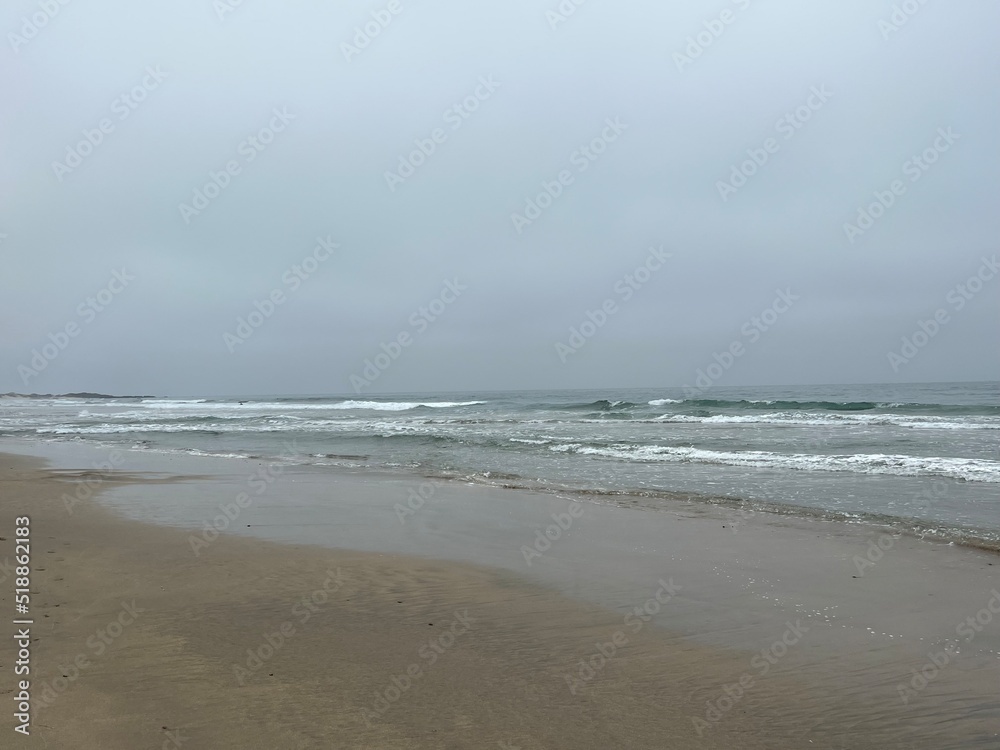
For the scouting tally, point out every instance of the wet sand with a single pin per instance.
(387, 647)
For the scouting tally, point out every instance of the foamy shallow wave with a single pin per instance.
(170, 403)
(567, 448)
(120, 429)
(664, 401)
(292, 406)
(401, 405)
(282, 424)
(967, 469)
(808, 418)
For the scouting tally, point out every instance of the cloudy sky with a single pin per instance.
(822, 176)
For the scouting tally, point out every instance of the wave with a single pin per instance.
(170, 403)
(813, 419)
(218, 425)
(402, 405)
(713, 405)
(362, 416)
(971, 409)
(601, 405)
(966, 469)
(304, 399)
(840, 406)
(615, 409)
(313, 405)
(778, 404)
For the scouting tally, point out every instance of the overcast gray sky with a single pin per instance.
(848, 92)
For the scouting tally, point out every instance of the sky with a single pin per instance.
(265, 197)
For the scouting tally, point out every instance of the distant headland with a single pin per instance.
(66, 395)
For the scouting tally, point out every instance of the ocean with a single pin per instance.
(923, 458)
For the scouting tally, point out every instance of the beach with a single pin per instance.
(500, 376)
(323, 615)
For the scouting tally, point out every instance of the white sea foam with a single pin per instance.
(812, 418)
(170, 403)
(400, 405)
(968, 469)
(293, 406)
(664, 401)
(566, 448)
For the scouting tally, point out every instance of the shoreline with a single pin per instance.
(915, 527)
(540, 623)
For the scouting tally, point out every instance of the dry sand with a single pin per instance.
(488, 653)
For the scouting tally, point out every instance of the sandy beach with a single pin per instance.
(551, 375)
(769, 635)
